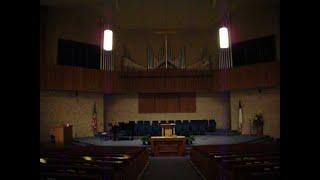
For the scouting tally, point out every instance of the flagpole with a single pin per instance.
(240, 117)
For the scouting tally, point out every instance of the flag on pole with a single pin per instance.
(94, 120)
(240, 117)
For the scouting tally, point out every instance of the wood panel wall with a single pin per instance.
(57, 77)
(167, 102)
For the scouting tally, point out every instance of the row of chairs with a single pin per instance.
(183, 127)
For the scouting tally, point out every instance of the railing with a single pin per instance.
(57, 77)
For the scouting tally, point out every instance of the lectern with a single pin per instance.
(60, 135)
(168, 129)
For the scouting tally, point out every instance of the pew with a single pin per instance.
(237, 161)
(93, 162)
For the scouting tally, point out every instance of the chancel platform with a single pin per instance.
(168, 145)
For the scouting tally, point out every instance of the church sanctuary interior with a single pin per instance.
(159, 89)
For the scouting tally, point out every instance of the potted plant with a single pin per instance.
(145, 140)
(258, 123)
(189, 139)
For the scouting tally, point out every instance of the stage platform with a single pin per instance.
(199, 140)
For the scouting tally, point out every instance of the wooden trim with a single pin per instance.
(166, 73)
(58, 77)
(167, 102)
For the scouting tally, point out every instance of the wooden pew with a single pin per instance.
(241, 171)
(106, 162)
(213, 161)
(72, 171)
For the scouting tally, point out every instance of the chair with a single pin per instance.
(147, 128)
(155, 128)
(212, 125)
(115, 131)
(163, 122)
(140, 128)
(105, 135)
(203, 125)
(185, 128)
(131, 129)
(178, 127)
(194, 127)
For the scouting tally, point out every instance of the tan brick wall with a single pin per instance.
(124, 108)
(58, 107)
(267, 102)
(61, 107)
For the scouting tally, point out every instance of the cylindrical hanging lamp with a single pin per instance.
(107, 40)
(224, 37)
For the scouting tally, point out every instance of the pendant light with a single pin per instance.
(224, 38)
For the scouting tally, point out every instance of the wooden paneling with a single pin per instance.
(173, 103)
(167, 102)
(62, 78)
(161, 103)
(57, 77)
(92, 80)
(167, 85)
(255, 76)
(166, 73)
(146, 103)
(169, 81)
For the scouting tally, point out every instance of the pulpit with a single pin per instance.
(168, 143)
(168, 129)
(60, 135)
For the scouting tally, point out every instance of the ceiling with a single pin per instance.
(196, 13)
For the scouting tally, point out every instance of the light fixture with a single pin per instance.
(43, 161)
(107, 40)
(224, 37)
(88, 158)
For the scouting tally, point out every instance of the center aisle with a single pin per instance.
(170, 168)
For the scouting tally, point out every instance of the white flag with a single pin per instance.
(240, 117)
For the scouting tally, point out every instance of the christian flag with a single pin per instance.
(94, 119)
(240, 117)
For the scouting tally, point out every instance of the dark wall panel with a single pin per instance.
(167, 102)
(254, 51)
(78, 54)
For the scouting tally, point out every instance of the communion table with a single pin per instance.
(168, 145)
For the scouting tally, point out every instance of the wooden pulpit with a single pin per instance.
(168, 129)
(60, 135)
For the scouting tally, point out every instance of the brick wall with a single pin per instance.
(68, 107)
(267, 102)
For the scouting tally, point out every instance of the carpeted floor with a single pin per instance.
(199, 140)
(170, 168)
